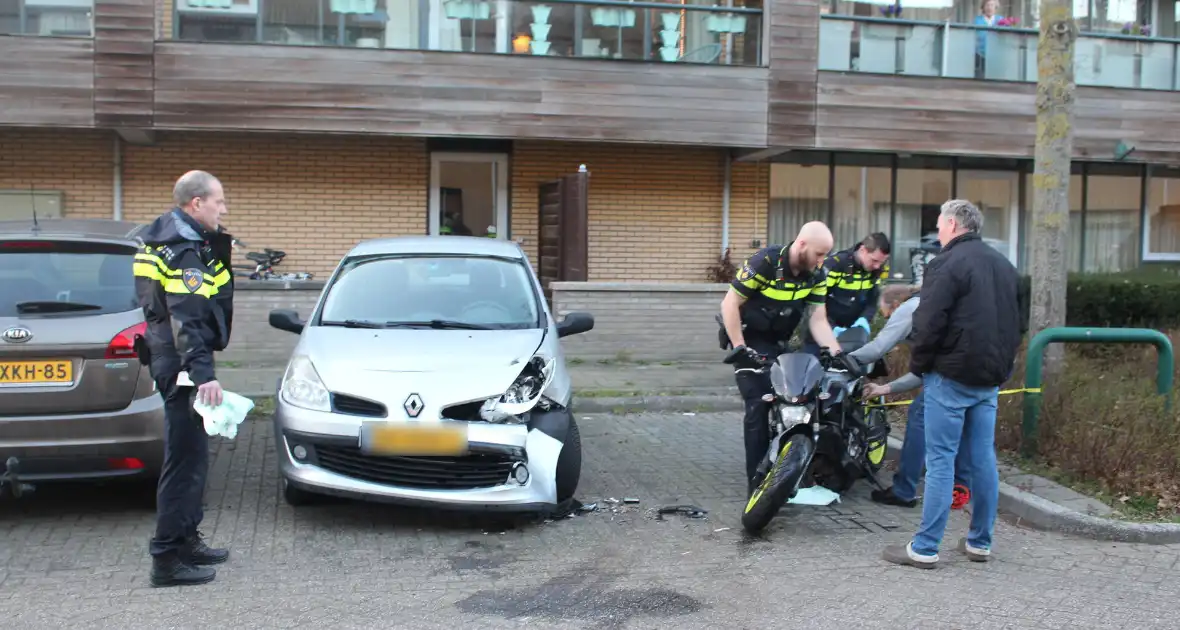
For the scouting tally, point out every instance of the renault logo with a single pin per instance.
(413, 405)
(17, 334)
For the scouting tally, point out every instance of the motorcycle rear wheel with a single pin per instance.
(780, 483)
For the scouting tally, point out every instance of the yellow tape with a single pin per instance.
(1003, 392)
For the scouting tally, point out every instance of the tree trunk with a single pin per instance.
(1054, 148)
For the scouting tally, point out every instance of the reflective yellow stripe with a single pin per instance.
(152, 267)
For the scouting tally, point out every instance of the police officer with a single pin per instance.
(185, 286)
(760, 312)
(854, 278)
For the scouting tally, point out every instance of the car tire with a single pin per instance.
(296, 497)
(569, 463)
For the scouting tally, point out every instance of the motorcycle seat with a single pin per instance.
(259, 258)
(276, 253)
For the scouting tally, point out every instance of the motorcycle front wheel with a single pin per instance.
(779, 485)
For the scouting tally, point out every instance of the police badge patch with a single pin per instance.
(192, 279)
(745, 273)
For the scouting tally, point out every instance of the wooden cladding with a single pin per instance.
(986, 118)
(124, 48)
(46, 81)
(793, 34)
(316, 89)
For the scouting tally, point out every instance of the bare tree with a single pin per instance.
(1054, 149)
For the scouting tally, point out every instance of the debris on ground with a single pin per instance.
(691, 511)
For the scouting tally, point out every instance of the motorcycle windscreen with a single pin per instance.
(796, 374)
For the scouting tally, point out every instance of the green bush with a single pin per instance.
(1144, 298)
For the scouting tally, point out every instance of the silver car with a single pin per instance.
(430, 372)
(75, 402)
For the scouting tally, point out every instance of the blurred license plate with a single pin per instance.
(414, 439)
(36, 372)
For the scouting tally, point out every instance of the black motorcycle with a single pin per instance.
(822, 433)
(264, 265)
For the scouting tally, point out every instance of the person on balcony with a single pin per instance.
(989, 15)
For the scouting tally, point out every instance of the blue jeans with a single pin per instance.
(913, 455)
(960, 417)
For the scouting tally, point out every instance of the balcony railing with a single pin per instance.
(610, 29)
(50, 18)
(943, 49)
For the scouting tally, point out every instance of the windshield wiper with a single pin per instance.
(438, 323)
(54, 307)
(353, 323)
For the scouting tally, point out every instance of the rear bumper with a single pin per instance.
(87, 446)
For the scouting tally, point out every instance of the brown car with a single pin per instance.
(75, 403)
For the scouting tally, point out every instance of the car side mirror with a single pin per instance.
(575, 323)
(286, 319)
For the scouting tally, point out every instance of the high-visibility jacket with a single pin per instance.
(185, 286)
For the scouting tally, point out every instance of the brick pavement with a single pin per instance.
(75, 556)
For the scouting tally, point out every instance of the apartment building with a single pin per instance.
(701, 125)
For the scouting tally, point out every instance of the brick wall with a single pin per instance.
(312, 196)
(652, 322)
(253, 342)
(655, 211)
(634, 321)
(78, 163)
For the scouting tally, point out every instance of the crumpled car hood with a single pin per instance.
(444, 367)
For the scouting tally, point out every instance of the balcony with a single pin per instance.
(657, 32)
(965, 51)
(48, 18)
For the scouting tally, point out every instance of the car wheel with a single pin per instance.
(569, 464)
(296, 497)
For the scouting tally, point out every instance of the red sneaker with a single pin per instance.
(961, 497)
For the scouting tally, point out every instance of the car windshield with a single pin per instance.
(436, 292)
(47, 278)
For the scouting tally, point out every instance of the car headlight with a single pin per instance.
(302, 386)
(792, 415)
(523, 394)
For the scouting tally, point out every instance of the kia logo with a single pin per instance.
(17, 335)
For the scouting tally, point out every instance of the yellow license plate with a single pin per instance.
(36, 372)
(416, 439)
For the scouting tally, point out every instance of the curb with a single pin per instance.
(702, 403)
(1030, 510)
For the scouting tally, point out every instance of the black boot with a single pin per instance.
(887, 497)
(197, 553)
(170, 570)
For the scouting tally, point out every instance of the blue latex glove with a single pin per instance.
(836, 330)
(863, 323)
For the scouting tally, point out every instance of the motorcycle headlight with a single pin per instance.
(791, 415)
(523, 394)
(302, 386)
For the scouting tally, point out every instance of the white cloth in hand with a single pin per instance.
(224, 419)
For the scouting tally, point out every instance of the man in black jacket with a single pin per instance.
(967, 329)
(185, 286)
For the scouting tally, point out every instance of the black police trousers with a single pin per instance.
(756, 424)
(179, 498)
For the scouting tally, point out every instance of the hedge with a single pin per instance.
(1139, 299)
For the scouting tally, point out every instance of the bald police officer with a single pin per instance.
(765, 303)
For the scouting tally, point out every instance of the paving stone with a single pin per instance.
(78, 555)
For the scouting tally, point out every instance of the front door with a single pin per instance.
(563, 230)
(997, 195)
(469, 194)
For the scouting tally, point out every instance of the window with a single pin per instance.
(473, 291)
(1163, 214)
(59, 18)
(1111, 235)
(75, 278)
(861, 197)
(923, 185)
(798, 194)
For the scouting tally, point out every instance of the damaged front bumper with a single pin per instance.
(506, 467)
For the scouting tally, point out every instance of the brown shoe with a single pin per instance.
(974, 554)
(904, 554)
